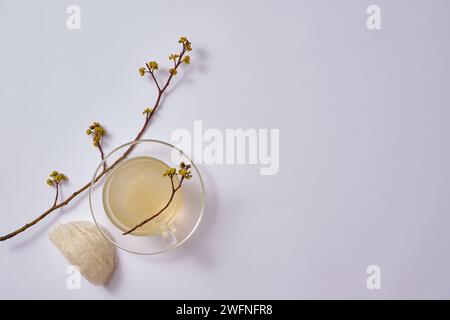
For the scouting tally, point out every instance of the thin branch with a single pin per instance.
(171, 182)
(102, 155)
(179, 185)
(153, 76)
(57, 193)
(174, 191)
(56, 205)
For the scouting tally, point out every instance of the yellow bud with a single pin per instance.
(187, 46)
(147, 110)
(142, 71)
(153, 65)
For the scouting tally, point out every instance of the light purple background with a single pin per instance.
(363, 118)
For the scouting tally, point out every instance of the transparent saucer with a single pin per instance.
(169, 234)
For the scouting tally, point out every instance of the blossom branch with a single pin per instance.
(186, 46)
(185, 173)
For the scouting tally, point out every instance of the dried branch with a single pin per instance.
(185, 173)
(151, 67)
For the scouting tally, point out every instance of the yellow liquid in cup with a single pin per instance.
(136, 190)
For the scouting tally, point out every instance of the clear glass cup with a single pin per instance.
(171, 233)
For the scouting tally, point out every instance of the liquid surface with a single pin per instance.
(136, 190)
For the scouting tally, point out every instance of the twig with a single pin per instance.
(148, 117)
(57, 194)
(102, 155)
(174, 190)
(150, 70)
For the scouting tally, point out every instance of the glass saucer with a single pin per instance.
(168, 233)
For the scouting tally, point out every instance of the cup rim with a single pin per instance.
(131, 143)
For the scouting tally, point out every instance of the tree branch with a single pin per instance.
(148, 117)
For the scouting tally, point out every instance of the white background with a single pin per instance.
(364, 163)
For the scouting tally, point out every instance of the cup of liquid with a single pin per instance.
(134, 188)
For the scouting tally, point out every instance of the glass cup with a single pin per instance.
(167, 233)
